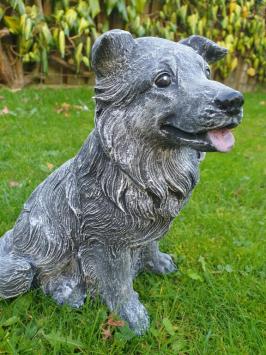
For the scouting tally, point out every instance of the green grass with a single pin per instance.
(213, 305)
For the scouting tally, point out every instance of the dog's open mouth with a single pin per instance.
(218, 139)
(222, 139)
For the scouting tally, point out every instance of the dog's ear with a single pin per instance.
(110, 52)
(209, 50)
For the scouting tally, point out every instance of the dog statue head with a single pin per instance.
(167, 86)
(154, 92)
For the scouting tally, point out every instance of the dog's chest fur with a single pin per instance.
(115, 206)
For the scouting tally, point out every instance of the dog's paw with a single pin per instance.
(135, 314)
(163, 264)
(66, 291)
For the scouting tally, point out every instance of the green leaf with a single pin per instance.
(168, 326)
(22, 21)
(88, 46)
(21, 7)
(58, 15)
(71, 17)
(125, 333)
(65, 27)
(121, 6)
(78, 55)
(46, 34)
(178, 346)
(62, 43)
(27, 28)
(10, 321)
(26, 58)
(154, 332)
(194, 276)
(2, 12)
(192, 21)
(18, 4)
(12, 23)
(83, 24)
(55, 34)
(54, 338)
(94, 7)
(110, 5)
(44, 59)
(140, 5)
(86, 61)
(65, 3)
(33, 12)
(228, 268)
(35, 55)
(214, 10)
(83, 9)
(224, 23)
(183, 12)
(234, 63)
(203, 263)
(201, 26)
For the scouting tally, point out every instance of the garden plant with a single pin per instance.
(34, 31)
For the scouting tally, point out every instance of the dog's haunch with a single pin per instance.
(95, 222)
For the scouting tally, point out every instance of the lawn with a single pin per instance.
(214, 304)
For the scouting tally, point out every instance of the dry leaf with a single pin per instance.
(106, 328)
(50, 166)
(263, 103)
(63, 108)
(106, 333)
(115, 323)
(238, 192)
(1, 97)
(13, 183)
(5, 111)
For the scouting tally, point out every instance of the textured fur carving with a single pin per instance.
(94, 223)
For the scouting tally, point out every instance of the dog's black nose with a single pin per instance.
(230, 102)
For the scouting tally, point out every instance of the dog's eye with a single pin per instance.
(163, 80)
(208, 72)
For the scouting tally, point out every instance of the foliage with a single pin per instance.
(70, 27)
(215, 304)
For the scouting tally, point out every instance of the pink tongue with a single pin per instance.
(222, 139)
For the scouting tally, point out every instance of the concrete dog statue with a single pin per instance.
(95, 222)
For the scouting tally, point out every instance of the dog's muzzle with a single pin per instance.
(217, 138)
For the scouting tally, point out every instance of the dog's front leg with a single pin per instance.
(156, 261)
(113, 272)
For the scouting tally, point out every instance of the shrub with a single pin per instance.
(32, 31)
